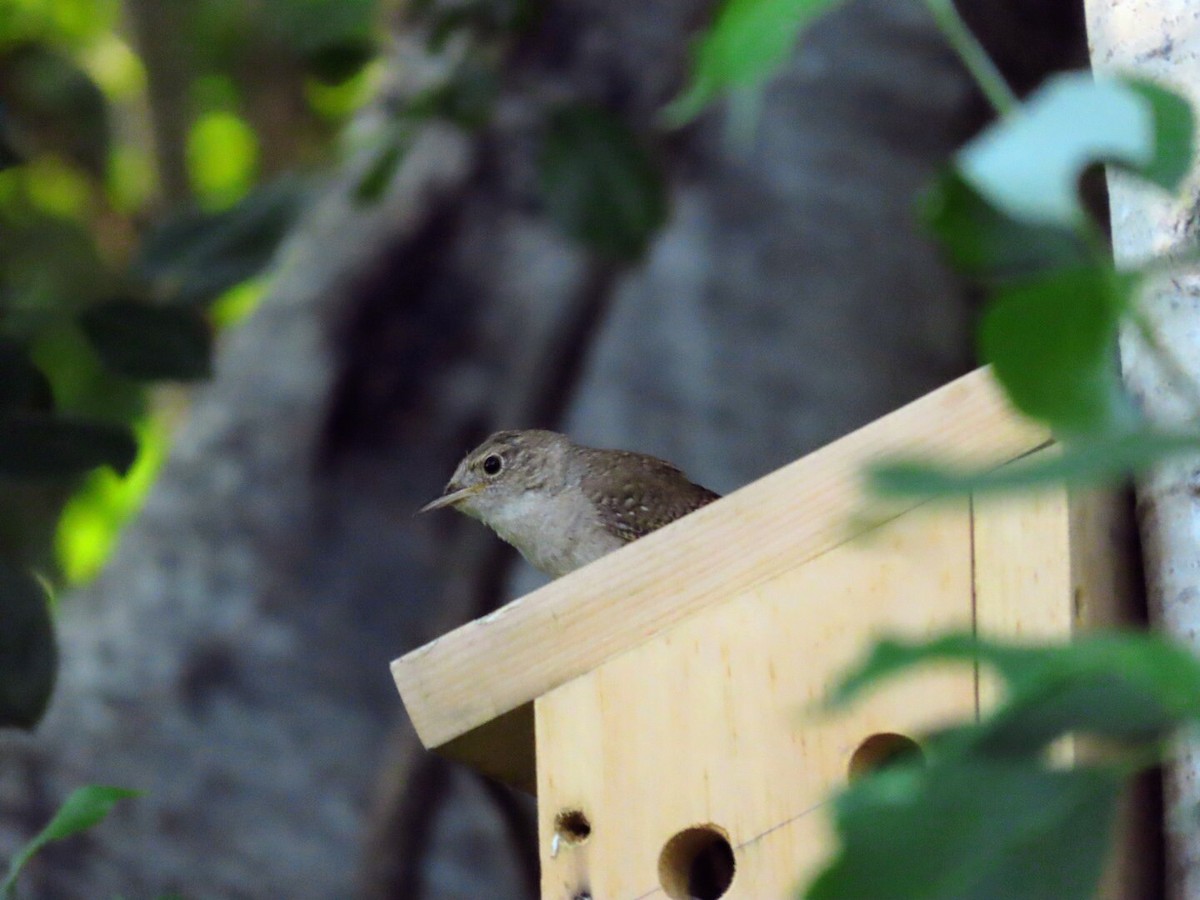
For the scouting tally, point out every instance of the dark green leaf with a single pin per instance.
(28, 654)
(1173, 130)
(749, 40)
(58, 108)
(1148, 666)
(22, 384)
(84, 808)
(466, 98)
(1028, 165)
(1052, 344)
(972, 830)
(379, 174)
(598, 184)
(9, 154)
(340, 60)
(149, 342)
(198, 256)
(41, 445)
(1101, 704)
(984, 242)
(1085, 461)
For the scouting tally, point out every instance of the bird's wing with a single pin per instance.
(657, 493)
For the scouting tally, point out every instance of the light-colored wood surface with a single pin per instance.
(1050, 566)
(491, 667)
(706, 723)
(1022, 571)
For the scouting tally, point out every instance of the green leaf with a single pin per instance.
(10, 155)
(44, 446)
(149, 342)
(28, 653)
(197, 256)
(747, 42)
(1145, 663)
(598, 184)
(1028, 165)
(55, 104)
(466, 98)
(1052, 344)
(341, 59)
(972, 830)
(85, 807)
(1101, 460)
(22, 384)
(984, 242)
(1173, 127)
(382, 169)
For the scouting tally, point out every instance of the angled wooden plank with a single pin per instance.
(495, 665)
(713, 721)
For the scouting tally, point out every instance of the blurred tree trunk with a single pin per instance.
(232, 660)
(1160, 39)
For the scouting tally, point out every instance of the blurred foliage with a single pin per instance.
(986, 812)
(599, 184)
(149, 166)
(84, 808)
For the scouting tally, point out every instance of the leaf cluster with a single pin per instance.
(988, 812)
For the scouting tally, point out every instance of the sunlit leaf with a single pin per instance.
(985, 242)
(83, 809)
(1028, 165)
(92, 518)
(28, 654)
(222, 158)
(747, 42)
(972, 830)
(1100, 460)
(599, 184)
(150, 342)
(1052, 345)
(43, 445)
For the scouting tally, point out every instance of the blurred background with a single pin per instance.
(282, 262)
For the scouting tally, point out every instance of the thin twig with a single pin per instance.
(974, 57)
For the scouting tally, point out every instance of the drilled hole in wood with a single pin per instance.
(697, 864)
(882, 750)
(572, 826)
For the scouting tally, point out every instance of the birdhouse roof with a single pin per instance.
(470, 693)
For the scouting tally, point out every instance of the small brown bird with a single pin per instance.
(563, 505)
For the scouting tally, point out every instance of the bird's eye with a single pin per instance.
(492, 464)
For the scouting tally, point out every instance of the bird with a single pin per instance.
(563, 505)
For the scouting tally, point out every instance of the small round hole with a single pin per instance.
(697, 864)
(882, 750)
(572, 826)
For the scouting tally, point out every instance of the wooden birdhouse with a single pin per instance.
(653, 700)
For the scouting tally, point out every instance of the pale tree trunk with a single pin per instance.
(1160, 39)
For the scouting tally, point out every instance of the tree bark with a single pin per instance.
(1160, 39)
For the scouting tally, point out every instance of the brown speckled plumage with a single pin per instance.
(563, 505)
(652, 493)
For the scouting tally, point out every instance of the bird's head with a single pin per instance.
(506, 470)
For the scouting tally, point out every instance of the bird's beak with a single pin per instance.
(451, 497)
